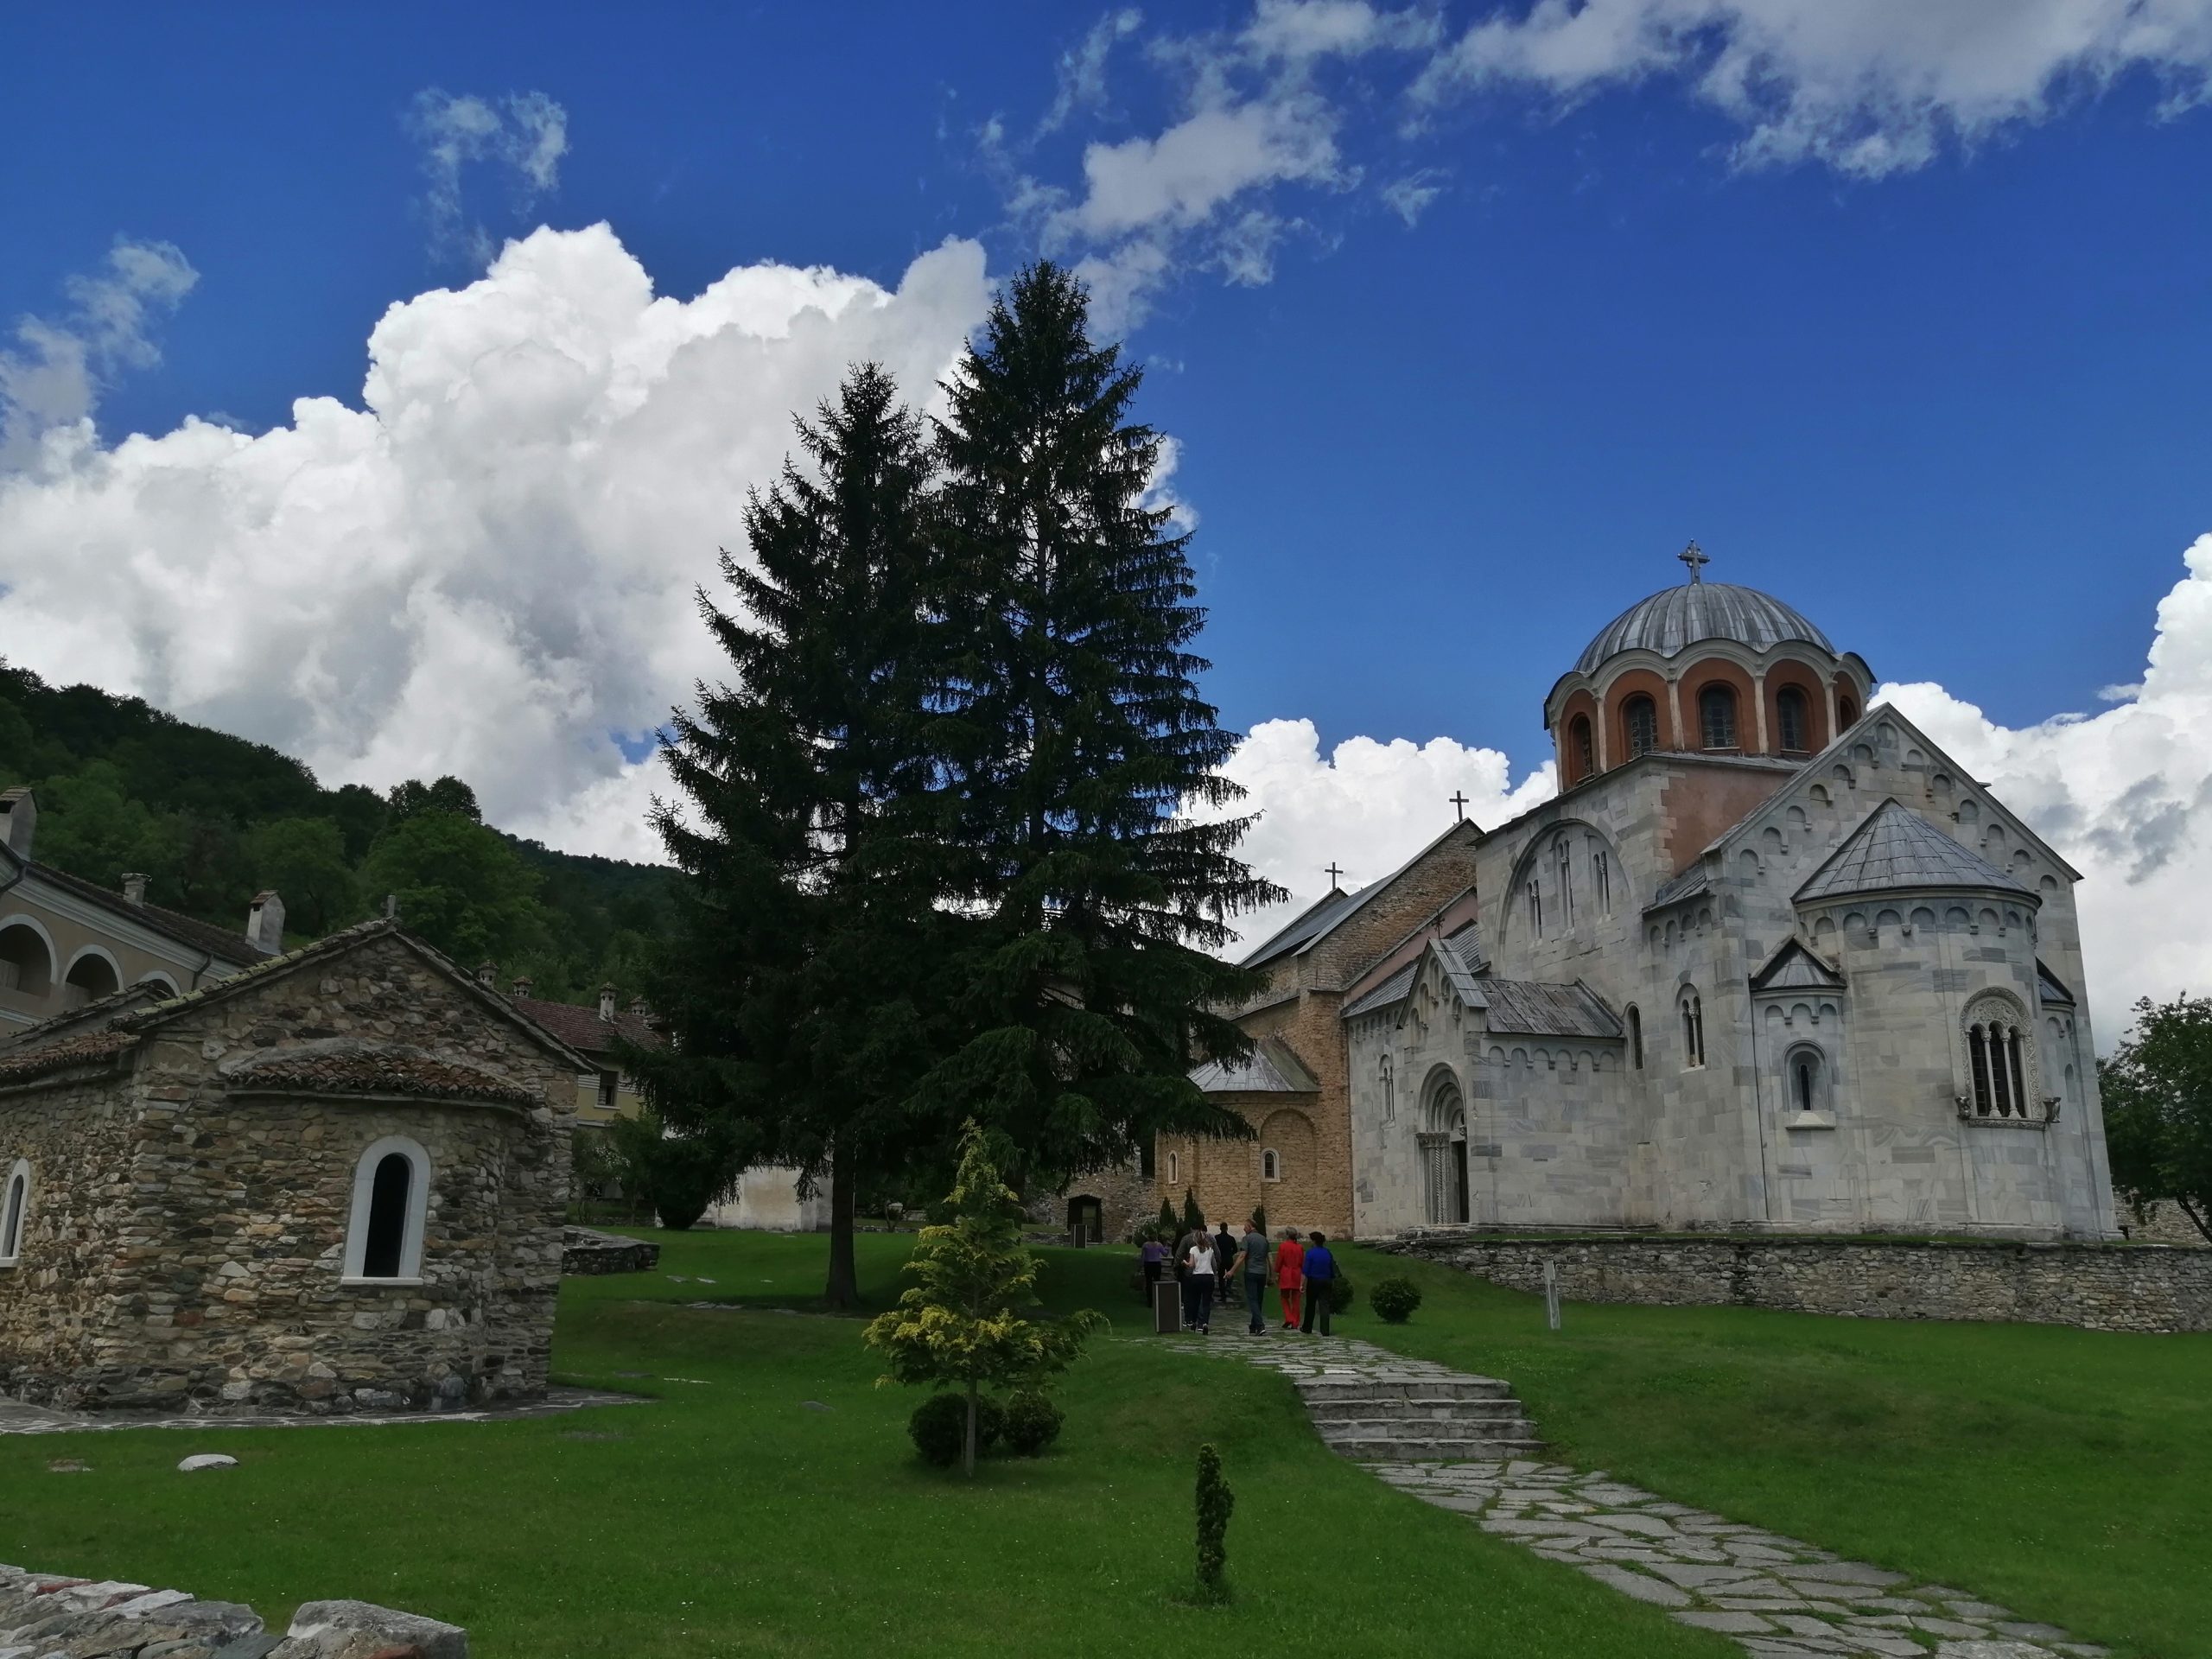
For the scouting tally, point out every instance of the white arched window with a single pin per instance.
(1270, 1165)
(392, 1197)
(1174, 1168)
(15, 1209)
(1805, 1080)
(1999, 1060)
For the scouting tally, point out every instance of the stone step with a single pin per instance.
(1363, 1387)
(1510, 1427)
(1440, 1450)
(1415, 1410)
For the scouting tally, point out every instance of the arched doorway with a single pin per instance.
(1443, 1140)
(1086, 1220)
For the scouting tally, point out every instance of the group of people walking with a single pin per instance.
(1221, 1265)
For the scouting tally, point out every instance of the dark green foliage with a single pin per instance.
(1340, 1294)
(939, 1428)
(1215, 1502)
(1260, 1218)
(1032, 1422)
(804, 978)
(679, 1174)
(460, 887)
(1165, 1226)
(1394, 1299)
(211, 819)
(1075, 740)
(1192, 1217)
(2156, 1090)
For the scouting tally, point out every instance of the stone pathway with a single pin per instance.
(1413, 1423)
(16, 1418)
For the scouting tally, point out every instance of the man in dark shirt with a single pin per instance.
(1224, 1264)
(1320, 1270)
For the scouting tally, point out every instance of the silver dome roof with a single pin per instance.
(1675, 618)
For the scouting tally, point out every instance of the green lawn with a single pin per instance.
(2067, 1474)
(732, 1518)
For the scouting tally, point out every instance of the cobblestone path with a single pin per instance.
(1779, 1598)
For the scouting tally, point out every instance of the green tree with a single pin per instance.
(679, 1174)
(799, 980)
(2157, 1105)
(1099, 873)
(962, 1326)
(448, 794)
(459, 887)
(91, 826)
(1215, 1502)
(304, 860)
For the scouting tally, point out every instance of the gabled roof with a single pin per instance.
(1796, 966)
(1897, 850)
(1271, 1069)
(125, 1015)
(582, 1029)
(1393, 989)
(1690, 883)
(1324, 916)
(2051, 990)
(1459, 954)
(1528, 1007)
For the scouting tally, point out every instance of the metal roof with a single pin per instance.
(1271, 1069)
(2051, 990)
(1324, 913)
(1672, 621)
(1690, 883)
(1896, 849)
(1528, 1008)
(1393, 989)
(1794, 968)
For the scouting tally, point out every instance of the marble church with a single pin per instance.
(1769, 961)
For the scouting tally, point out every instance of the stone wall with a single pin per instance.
(586, 1251)
(2096, 1287)
(187, 1233)
(43, 1613)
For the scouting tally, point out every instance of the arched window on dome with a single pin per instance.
(1846, 710)
(1716, 717)
(1791, 715)
(1582, 748)
(1640, 716)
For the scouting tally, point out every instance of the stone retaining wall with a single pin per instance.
(584, 1251)
(2095, 1287)
(50, 1613)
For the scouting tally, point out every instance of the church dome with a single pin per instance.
(1673, 619)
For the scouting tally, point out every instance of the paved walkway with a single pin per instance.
(1779, 1598)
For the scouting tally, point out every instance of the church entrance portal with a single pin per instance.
(1444, 1155)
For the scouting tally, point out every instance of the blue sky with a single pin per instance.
(1904, 319)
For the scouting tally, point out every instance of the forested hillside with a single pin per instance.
(210, 819)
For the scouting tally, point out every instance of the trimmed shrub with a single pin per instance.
(1340, 1294)
(940, 1425)
(1032, 1422)
(1215, 1501)
(1395, 1300)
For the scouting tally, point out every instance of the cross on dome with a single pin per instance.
(1694, 556)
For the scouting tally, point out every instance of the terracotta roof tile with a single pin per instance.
(59, 1057)
(582, 1029)
(379, 1071)
(231, 946)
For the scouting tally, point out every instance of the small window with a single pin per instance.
(1174, 1169)
(1582, 747)
(15, 1206)
(1846, 710)
(1390, 1088)
(1601, 878)
(384, 1236)
(1270, 1165)
(1804, 1076)
(610, 1085)
(1716, 713)
(1565, 858)
(1640, 716)
(1789, 712)
(1693, 1030)
(1535, 907)
(1635, 1038)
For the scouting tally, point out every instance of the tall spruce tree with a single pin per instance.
(1094, 898)
(794, 988)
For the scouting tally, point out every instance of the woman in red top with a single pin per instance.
(1289, 1276)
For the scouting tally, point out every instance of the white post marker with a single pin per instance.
(1551, 1292)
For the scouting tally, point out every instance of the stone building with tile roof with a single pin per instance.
(65, 942)
(1769, 961)
(333, 1180)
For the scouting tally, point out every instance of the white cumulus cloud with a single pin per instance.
(55, 375)
(485, 567)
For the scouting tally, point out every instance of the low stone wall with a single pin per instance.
(2096, 1287)
(583, 1251)
(47, 1613)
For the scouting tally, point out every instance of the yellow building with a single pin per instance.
(65, 942)
(604, 1093)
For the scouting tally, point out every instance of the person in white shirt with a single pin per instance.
(1201, 1262)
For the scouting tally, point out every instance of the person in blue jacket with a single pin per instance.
(1320, 1270)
